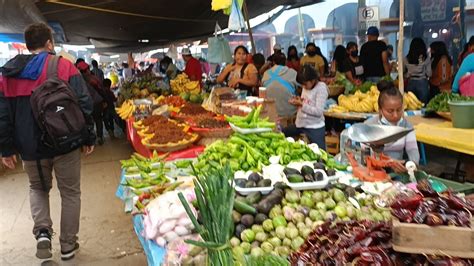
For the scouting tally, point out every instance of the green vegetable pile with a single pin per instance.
(252, 152)
(279, 223)
(149, 171)
(440, 102)
(342, 80)
(252, 120)
(215, 200)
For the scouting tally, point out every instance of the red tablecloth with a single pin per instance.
(136, 142)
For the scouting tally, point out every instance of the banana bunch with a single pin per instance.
(358, 102)
(126, 110)
(411, 101)
(182, 84)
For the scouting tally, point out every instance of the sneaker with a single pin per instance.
(43, 244)
(67, 255)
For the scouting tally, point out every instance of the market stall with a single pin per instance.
(284, 193)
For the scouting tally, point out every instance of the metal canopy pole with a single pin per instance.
(401, 34)
(246, 15)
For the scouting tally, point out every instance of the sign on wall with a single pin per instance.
(369, 16)
(433, 10)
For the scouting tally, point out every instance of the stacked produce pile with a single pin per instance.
(159, 130)
(432, 208)
(252, 152)
(206, 122)
(126, 110)
(279, 222)
(187, 89)
(174, 101)
(192, 111)
(368, 102)
(143, 87)
(440, 102)
(252, 120)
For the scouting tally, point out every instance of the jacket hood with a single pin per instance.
(25, 66)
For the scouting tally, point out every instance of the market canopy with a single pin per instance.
(114, 25)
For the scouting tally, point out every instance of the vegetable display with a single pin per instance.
(214, 200)
(440, 102)
(252, 120)
(432, 208)
(279, 222)
(362, 243)
(141, 172)
(252, 152)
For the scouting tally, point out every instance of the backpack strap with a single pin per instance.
(52, 67)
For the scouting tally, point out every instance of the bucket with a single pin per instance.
(462, 114)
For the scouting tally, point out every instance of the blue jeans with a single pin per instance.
(420, 88)
(315, 135)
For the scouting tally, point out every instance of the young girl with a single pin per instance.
(391, 114)
(310, 116)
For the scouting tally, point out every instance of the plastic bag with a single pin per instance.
(220, 4)
(236, 18)
(173, 52)
(219, 49)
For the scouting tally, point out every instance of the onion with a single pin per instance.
(181, 230)
(170, 236)
(161, 241)
(167, 226)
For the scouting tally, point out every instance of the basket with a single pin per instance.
(213, 132)
(445, 115)
(171, 147)
(335, 90)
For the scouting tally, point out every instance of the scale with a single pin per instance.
(374, 136)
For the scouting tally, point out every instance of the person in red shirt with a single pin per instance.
(193, 66)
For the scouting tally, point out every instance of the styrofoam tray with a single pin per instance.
(246, 191)
(336, 177)
(249, 130)
(309, 185)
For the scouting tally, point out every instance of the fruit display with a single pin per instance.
(252, 152)
(368, 102)
(252, 120)
(307, 174)
(182, 85)
(279, 223)
(432, 208)
(143, 87)
(254, 180)
(410, 102)
(175, 101)
(440, 102)
(160, 132)
(126, 110)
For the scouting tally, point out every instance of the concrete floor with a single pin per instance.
(106, 234)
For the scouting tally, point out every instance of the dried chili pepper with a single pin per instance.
(404, 215)
(407, 202)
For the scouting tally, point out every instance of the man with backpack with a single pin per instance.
(45, 113)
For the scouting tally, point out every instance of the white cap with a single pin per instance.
(186, 51)
(277, 47)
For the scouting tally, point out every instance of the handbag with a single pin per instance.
(219, 49)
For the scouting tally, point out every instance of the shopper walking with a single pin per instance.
(418, 69)
(27, 81)
(97, 71)
(374, 57)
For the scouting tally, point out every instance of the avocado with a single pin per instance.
(318, 176)
(319, 166)
(307, 170)
(260, 217)
(250, 184)
(264, 183)
(295, 178)
(253, 197)
(240, 182)
(255, 177)
(291, 171)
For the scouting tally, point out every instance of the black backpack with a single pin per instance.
(57, 111)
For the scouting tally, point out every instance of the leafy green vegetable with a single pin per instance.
(267, 260)
(440, 102)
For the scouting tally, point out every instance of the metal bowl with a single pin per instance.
(376, 135)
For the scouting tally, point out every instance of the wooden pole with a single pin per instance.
(401, 34)
(247, 19)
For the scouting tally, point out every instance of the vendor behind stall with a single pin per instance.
(280, 82)
(193, 67)
(240, 75)
(391, 114)
(310, 116)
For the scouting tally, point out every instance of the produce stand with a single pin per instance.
(284, 192)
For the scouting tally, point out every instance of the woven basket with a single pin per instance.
(213, 132)
(335, 90)
(445, 115)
